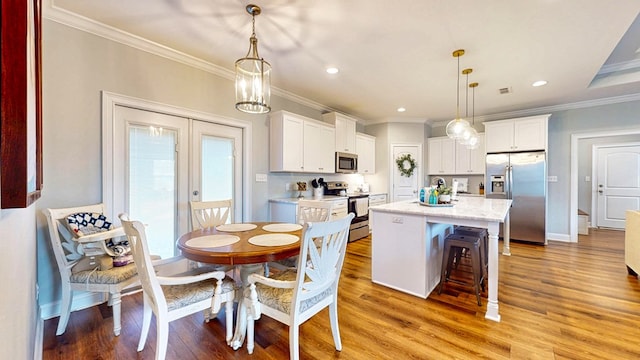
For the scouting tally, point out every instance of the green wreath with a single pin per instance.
(402, 165)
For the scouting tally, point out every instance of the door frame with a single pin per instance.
(573, 172)
(593, 217)
(111, 100)
(392, 166)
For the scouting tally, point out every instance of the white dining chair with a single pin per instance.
(295, 295)
(68, 252)
(308, 211)
(205, 214)
(174, 297)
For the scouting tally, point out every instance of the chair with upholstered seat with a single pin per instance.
(206, 214)
(68, 251)
(174, 297)
(295, 295)
(308, 211)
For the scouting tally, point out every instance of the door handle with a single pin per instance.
(195, 193)
(600, 191)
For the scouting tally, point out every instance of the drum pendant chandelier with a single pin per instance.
(253, 75)
(457, 126)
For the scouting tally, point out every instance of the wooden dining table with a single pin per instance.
(236, 244)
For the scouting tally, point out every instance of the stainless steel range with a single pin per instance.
(357, 203)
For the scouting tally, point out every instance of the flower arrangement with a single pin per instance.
(406, 165)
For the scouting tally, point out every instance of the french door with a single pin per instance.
(159, 162)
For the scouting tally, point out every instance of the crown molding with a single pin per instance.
(551, 109)
(64, 17)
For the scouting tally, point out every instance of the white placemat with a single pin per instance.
(273, 239)
(236, 227)
(282, 227)
(210, 241)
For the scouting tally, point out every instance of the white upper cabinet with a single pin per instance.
(319, 153)
(345, 131)
(299, 144)
(521, 134)
(442, 155)
(366, 150)
(470, 161)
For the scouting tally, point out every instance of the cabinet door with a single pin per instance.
(366, 150)
(499, 136)
(328, 161)
(313, 147)
(478, 157)
(345, 134)
(442, 156)
(463, 159)
(286, 143)
(530, 134)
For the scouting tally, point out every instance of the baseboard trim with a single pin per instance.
(80, 301)
(559, 237)
(38, 343)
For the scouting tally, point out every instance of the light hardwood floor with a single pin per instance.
(560, 301)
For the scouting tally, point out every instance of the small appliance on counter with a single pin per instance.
(463, 184)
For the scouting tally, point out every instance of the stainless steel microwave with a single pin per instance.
(346, 163)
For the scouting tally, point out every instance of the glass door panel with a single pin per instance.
(153, 186)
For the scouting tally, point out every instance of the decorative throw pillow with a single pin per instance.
(82, 224)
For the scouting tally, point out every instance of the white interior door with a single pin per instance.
(618, 184)
(404, 188)
(216, 164)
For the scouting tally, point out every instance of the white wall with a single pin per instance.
(18, 304)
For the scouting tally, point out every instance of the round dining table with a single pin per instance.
(247, 246)
(242, 251)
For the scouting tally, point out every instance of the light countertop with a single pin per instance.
(294, 200)
(468, 207)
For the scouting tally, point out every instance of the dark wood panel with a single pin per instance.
(562, 301)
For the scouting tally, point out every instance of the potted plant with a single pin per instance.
(444, 195)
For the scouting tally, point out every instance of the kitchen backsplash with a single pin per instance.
(277, 183)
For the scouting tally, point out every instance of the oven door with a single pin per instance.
(360, 224)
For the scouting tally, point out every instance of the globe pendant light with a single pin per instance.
(474, 140)
(456, 127)
(253, 75)
(469, 133)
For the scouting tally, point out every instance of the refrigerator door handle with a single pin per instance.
(510, 178)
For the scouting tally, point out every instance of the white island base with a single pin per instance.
(408, 241)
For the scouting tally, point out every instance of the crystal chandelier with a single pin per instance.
(457, 126)
(253, 75)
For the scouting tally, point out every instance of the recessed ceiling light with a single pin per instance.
(539, 83)
(401, 109)
(332, 70)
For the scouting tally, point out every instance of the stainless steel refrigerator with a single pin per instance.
(520, 177)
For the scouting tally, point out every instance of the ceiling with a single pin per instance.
(399, 54)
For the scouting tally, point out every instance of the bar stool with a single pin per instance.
(483, 234)
(455, 243)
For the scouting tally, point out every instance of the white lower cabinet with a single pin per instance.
(377, 199)
(287, 210)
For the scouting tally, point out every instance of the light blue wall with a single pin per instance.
(562, 125)
(77, 66)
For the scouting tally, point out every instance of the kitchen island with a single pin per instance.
(408, 240)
